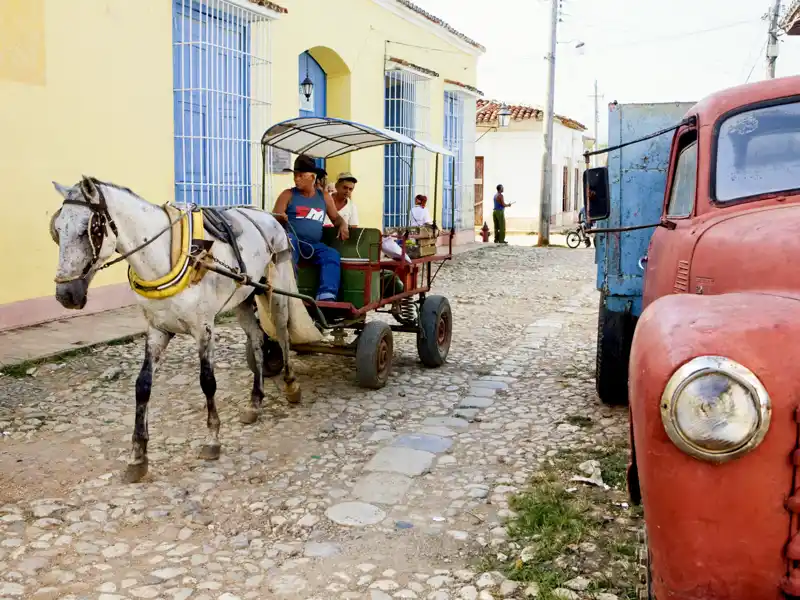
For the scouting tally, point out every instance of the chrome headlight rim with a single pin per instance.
(699, 367)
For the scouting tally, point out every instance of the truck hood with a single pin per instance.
(755, 249)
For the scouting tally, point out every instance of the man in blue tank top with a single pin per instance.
(499, 216)
(305, 208)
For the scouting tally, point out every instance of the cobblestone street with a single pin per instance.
(352, 494)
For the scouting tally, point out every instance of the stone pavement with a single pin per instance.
(353, 494)
(84, 331)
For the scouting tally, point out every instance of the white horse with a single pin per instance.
(99, 219)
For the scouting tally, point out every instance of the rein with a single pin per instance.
(97, 234)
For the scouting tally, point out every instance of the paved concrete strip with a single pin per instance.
(57, 337)
(405, 461)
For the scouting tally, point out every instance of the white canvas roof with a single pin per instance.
(323, 137)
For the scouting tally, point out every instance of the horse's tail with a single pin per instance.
(301, 327)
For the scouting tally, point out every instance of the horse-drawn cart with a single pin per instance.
(369, 283)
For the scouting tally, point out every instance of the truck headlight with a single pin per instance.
(715, 409)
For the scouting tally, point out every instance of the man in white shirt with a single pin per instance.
(342, 198)
(419, 214)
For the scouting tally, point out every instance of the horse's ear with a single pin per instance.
(89, 189)
(63, 190)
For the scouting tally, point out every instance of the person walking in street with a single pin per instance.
(499, 216)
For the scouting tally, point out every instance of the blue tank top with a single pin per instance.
(497, 205)
(306, 215)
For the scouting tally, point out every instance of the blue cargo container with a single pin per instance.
(637, 177)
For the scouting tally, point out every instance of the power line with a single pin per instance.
(758, 56)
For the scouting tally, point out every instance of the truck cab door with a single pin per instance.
(669, 254)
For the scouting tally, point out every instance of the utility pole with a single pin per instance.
(547, 156)
(772, 41)
(596, 97)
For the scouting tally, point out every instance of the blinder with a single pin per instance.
(94, 200)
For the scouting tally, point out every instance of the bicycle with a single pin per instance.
(578, 235)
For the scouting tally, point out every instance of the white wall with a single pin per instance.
(513, 158)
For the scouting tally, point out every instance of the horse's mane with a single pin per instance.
(121, 188)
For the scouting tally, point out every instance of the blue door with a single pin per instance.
(453, 141)
(211, 107)
(317, 106)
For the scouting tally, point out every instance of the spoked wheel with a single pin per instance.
(374, 355)
(273, 357)
(573, 239)
(435, 331)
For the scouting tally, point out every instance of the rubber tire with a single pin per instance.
(614, 338)
(273, 358)
(573, 239)
(374, 354)
(434, 309)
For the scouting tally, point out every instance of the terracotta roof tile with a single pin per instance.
(791, 19)
(438, 21)
(270, 5)
(400, 61)
(519, 112)
(472, 89)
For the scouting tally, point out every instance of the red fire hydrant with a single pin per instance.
(485, 232)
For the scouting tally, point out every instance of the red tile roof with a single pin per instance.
(791, 20)
(444, 25)
(519, 112)
(471, 88)
(270, 5)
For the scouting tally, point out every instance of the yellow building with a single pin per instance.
(170, 98)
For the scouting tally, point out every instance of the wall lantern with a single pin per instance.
(504, 116)
(307, 86)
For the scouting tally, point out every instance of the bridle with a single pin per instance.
(99, 220)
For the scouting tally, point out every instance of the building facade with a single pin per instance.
(171, 97)
(512, 156)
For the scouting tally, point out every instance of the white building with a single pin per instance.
(512, 156)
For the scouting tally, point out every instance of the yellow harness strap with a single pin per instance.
(183, 272)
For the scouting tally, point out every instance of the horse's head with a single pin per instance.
(86, 238)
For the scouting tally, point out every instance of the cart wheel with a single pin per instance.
(273, 357)
(435, 331)
(374, 355)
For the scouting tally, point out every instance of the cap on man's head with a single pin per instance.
(304, 164)
(346, 176)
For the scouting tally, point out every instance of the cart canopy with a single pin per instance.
(324, 137)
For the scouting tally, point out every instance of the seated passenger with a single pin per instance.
(305, 207)
(343, 198)
(419, 214)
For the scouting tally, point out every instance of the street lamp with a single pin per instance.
(504, 116)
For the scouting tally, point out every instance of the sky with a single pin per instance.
(637, 50)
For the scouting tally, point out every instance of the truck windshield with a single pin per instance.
(758, 152)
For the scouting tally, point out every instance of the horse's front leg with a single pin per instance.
(157, 342)
(205, 345)
(255, 360)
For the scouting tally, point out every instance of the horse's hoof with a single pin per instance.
(249, 416)
(135, 473)
(294, 394)
(209, 452)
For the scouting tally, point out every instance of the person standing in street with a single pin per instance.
(499, 216)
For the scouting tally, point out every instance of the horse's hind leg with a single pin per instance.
(205, 343)
(255, 360)
(157, 342)
(280, 312)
